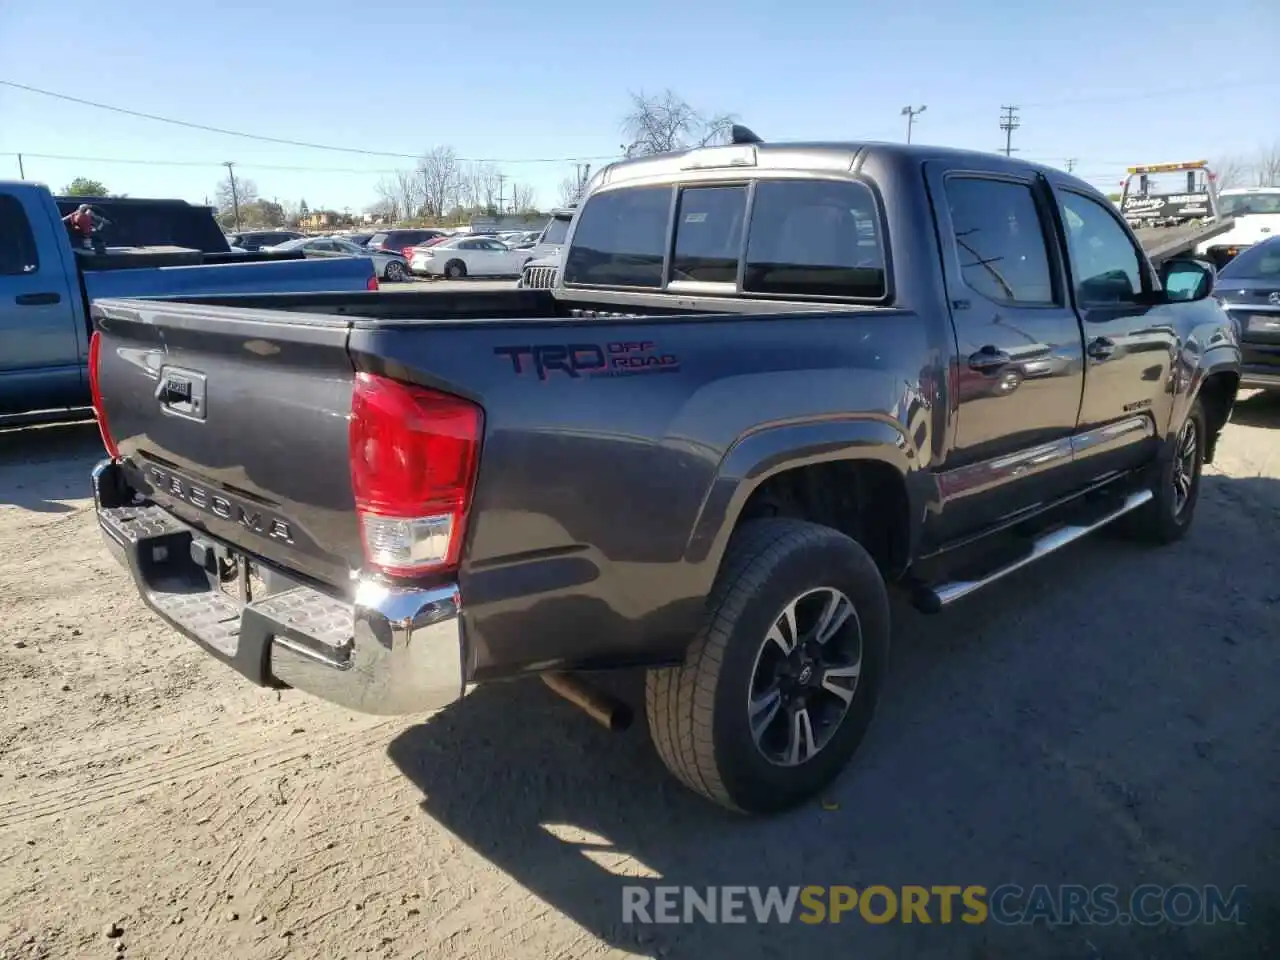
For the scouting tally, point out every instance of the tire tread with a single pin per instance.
(680, 700)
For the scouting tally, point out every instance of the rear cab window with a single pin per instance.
(17, 243)
(621, 239)
(771, 238)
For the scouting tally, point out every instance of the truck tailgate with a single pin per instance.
(238, 424)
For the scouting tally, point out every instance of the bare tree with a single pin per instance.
(571, 190)
(662, 123)
(1267, 169)
(1231, 172)
(400, 194)
(440, 180)
(243, 194)
(522, 199)
(481, 183)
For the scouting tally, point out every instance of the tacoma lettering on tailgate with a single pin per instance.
(251, 518)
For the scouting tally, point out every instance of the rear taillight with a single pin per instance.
(95, 392)
(372, 282)
(406, 252)
(413, 464)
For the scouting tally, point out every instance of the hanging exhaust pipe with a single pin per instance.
(605, 709)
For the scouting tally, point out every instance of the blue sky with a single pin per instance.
(514, 81)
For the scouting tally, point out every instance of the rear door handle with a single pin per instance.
(989, 359)
(1101, 348)
(36, 299)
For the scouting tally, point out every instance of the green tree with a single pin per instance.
(84, 187)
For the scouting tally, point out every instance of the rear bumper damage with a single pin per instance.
(389, 650)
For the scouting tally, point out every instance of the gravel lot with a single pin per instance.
(1109, 716)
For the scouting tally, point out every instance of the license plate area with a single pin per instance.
(232, 574)
(240, 579)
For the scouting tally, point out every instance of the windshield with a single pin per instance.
(556, 230)
(1242, 204)
(1259, 262)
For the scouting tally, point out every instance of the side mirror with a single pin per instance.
(1186, 280)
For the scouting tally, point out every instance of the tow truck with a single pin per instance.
(1171, 219)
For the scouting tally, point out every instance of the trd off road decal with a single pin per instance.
(620, 358)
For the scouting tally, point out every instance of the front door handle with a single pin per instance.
(989, 359)
(37, 299)
(1101, 348)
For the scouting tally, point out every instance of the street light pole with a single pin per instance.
(911, 113)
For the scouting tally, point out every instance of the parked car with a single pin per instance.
(1249, 287)
(359, 239)
(402, 241)
(388, 266)
(469, 256)
(708, 452)
(46, 287)
(257, 239)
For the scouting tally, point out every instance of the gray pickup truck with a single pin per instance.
(772, 381)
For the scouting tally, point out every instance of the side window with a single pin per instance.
(17, 244)
(1104, 263)
(815, 238)
(1000, 239)
(621, 238)
(709, 225)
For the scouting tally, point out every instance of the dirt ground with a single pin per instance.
(1108, 716)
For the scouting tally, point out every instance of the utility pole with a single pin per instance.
(22, 175)
(502, 179)
(1071, 164)
(235, 194)
(1009, 123)
(911, 113)
(584, 172)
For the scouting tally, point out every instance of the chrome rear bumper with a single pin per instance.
(388, 650)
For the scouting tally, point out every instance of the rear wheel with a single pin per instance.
(455, 269)
(1177, 488)
(394, 272)
(780, 684)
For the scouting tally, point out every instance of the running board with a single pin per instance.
(931, 599)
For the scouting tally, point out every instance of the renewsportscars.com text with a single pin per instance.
(1008, 904)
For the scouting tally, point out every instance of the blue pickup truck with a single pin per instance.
(46, 287)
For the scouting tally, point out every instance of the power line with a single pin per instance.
(1009, 123)
(151, 161)
(1156, 94)
(266, 139)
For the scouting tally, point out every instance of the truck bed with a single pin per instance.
(1161, 243)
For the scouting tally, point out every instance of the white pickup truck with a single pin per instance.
(1255, 216)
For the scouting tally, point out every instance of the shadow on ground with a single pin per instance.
(42, 466)
(1261, 409)
(1107, 716)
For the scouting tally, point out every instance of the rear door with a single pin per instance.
(1017, 380)
(1130, 345)
(43, 343)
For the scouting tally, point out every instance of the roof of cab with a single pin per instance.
(816, 155)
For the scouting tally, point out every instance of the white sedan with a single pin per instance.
(460, 257)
